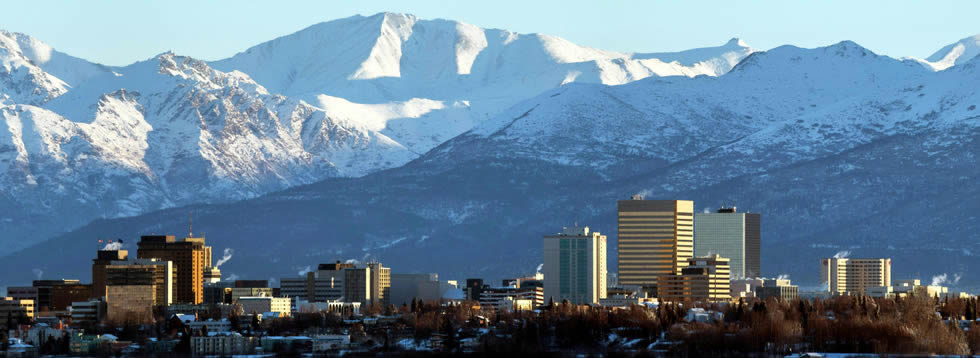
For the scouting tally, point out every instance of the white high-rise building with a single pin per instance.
(855, 276)
(575, 266)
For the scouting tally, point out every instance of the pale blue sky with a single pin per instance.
(121, 32)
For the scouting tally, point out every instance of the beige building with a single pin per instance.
(656, 237)
(575, 266)
(703, 279)
(263, 304)
(855, 276)
(22, 310)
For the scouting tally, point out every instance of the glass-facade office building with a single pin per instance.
(732, 235)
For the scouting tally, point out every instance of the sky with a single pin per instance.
(121, 32)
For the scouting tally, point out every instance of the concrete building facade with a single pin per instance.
(846, 276)
(575, 266)
(656, 237)
(736, 236)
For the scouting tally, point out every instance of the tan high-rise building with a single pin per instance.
(705, 279)
(855, 276)
(189, 257)
(656, 237)
(575, 266)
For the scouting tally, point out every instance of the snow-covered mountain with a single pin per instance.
(339, 99)
(957, 53)
(422, 82)
(837, 147)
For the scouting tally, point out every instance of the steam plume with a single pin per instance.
(225, 258)
(940, 280)
(842, 254)
(38, 273)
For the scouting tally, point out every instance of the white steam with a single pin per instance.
(783, 277)
(305, 271)
(225, 258)
(940, 280)
(358, 262)
(232, 277)
(38, 273)
(113, 246)
(842, 254)
(538, 270)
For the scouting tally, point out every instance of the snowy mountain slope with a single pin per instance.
(953, 54)
(72, 70)
(838, 148)
(473, 73)
(21, 80)
(172, 131)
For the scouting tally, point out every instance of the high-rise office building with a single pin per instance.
(733, 235)
(368, 284)
(144, 272)
(656, 237)
(575, 266)
(704, 279)
(104, 258)
(190, 258)
(855, 276)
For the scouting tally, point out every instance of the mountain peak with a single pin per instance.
(736, 42)
(957, 53)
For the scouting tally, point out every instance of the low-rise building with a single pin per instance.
(497, 296)
(219, 326)
(91, 311)
(263, 304)
(21, 311)
(330, 342)
(703, 279)
(345, 309)
(745, 287)
(222, 344)
(779, 288)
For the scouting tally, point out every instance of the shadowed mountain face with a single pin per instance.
(838, 148)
